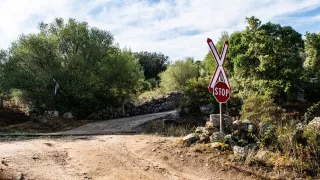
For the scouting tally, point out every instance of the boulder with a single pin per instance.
(314, 124)
(207, 109)
(190, 138)
(217, 137)
(263, 156)
(68, 115)
(240, 151)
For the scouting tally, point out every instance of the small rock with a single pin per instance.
(4, 163)
(219, 145)
(200, 130)
(215, 145)
(217, 137)
(240, 151)
(68, 115)
(146, 168)
(190, 138)
(209, 125)
(263, 155)
(204, 138)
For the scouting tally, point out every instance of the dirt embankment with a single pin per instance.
(108, 157)
(11, 116)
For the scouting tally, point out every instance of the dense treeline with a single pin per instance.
(264, 59)
(92, 71)
(88, 68)
(275, 77)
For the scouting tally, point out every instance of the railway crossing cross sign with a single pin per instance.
(219, 84)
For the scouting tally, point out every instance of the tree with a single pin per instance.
(312, 50)
(3, 59)
(311, 76)
(267, 58)
(152, 63)
(91, 71)
(176, 76)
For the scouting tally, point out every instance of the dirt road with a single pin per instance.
(114, 126)
(125, 157)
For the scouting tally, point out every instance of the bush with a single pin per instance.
(260, 108)
(196, 94)
(176, 77)
(153, 83)
(312, 112)
(234, 105)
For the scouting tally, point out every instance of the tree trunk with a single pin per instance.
(1, 103)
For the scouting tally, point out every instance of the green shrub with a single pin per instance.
(260, 108)
(176, 76)
(196, 94)
(312, 112)
(146, 86)
(153, 83)
(234, 105)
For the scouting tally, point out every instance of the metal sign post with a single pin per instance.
(219, 84)
(221, 117)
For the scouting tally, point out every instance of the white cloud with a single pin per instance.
(176, 28)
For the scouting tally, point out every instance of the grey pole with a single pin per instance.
(221, 118)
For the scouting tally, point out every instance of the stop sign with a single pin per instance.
(221, 92)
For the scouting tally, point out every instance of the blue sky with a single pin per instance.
(177, 28)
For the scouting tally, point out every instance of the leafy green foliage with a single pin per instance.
(196, 94)
(152, 63)
(3, 59)
(264, 48)
(176, 76)
(153, 83)
(311, 113)
(89, 68)
(312, 50)
(257, 108)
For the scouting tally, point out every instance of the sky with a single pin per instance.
(176, 28)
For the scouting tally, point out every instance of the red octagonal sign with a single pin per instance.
(221, 92)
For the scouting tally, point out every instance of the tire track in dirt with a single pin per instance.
(124, 157)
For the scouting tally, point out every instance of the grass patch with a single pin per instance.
(160, 128)
(18, 133)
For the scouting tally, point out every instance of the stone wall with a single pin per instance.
(154, 106)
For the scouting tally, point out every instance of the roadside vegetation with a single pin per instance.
(274, 74)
